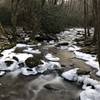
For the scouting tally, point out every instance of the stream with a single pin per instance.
(44, 86)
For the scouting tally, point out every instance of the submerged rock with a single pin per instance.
(51, 87)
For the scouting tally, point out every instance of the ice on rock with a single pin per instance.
(93, 64)
(54, 65)
(22, 56)
(2, 73)
(27, 38)
(98, 73)
(71, 75)
(42, 68)
(84, 56)
(90, 94)
(51, 57)
(90, 81)
(23, 45)
(26, 71)
(48, 66)
(39, 44)
(51, 42)
(90, 59)
(73, 48)
(29, 50)
(12, 67)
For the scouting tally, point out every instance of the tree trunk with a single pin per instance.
(98, 29)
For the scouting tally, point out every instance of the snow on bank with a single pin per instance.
(89, 59)
(84, 56)
(10, 61)
(88, 92)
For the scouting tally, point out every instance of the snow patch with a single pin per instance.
(51, 57)
(71, 75)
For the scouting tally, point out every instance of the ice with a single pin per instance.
(27, 38)
(93, 64)
(39, 44)
(48, 66)
(23, 45)
(89, 59)
(22, 56)
(63, 47)
(2, 73)
(90, 81)
(12, 67)
(54, 65)
(90, 94)
(98, 73)
(32, 51)
(71, 75)
(52, 42)
(42, 68)
(73, 48)
(51, 57)
(26, 71)
(84, 56)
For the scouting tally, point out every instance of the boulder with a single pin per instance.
(83, 72)
(33, 61)
(19, 49)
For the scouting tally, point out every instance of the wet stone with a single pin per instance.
(33, 62)
(8, 63)
(21, 64)
(19, 49)
(1, 55)
(63, 44)
(15, 58)
(83, 72)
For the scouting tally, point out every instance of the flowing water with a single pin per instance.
(42, 87)
(49, 86)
